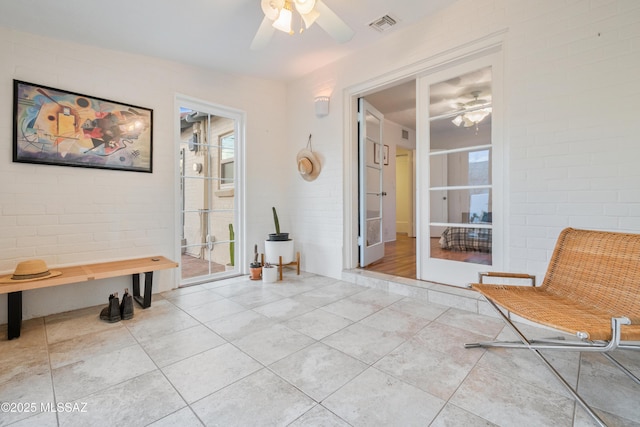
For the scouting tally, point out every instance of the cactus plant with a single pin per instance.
(255, 263)
(275, 220)
(255, 268)
(232, 246)
(278, 246)
(277, 236)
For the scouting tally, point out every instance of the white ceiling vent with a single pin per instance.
(384, 23)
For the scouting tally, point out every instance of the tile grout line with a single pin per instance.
(138, 343)
(53, 387)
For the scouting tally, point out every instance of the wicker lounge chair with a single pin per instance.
(591, 289)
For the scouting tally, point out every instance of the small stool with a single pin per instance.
(281, 265)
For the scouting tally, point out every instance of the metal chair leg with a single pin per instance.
(535, 348)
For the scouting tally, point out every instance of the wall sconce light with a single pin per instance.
(322, 106)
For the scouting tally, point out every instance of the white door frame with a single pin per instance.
(240, 219)
(491, 43)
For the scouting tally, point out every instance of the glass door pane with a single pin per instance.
(370, 164)
(460, 161)
(207, 183)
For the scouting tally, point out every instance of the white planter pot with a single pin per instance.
(274, 249)
(269, 274)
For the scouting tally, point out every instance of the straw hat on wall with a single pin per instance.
(30, 270)
(308, 165)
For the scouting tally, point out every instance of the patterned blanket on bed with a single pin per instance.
(466, 239)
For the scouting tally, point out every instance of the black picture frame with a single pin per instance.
(385, 154)
(63, 128)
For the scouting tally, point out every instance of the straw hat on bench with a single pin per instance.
(30, 270)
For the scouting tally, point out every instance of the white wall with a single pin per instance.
(405, 185)
(571, 77)
(392, 136)
(404, 191)
(70, 215)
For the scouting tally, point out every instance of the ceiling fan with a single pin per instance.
(278, 15)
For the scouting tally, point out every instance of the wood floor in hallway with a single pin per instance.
(400, 257)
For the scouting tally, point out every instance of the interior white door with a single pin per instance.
(370, 165)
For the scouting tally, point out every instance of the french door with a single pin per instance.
(460, 185)
(370, 164)
(210, 182)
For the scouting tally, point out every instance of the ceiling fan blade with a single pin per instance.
(264, 34)
(310, 18)
(332, 24)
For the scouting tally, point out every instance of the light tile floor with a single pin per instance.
(308, 351)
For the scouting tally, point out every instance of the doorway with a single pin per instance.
(210, 183)
(453, 269)
(400, 253)
(397, 105)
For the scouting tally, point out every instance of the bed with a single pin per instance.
(466, 239)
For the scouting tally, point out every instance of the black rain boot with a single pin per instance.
(126, 306)
(111, 313)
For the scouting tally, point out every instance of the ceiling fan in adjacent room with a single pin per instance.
(473, 112)
(278, 15)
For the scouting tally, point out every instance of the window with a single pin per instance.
(479, 174)
(227, 156)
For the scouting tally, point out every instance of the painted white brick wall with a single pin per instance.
(572, 105)
(69, 215)
(571, 79)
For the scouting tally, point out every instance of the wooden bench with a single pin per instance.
(86, 273)
(591, 290)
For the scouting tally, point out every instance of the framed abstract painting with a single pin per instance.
(57, 127)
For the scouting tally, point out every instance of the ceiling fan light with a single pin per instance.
(279, 16)
(478, 115)
(283, 23)
(304, 6)
(271, 8)
(458, 120)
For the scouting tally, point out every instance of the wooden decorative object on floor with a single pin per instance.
(296, 263)
(292, 263)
